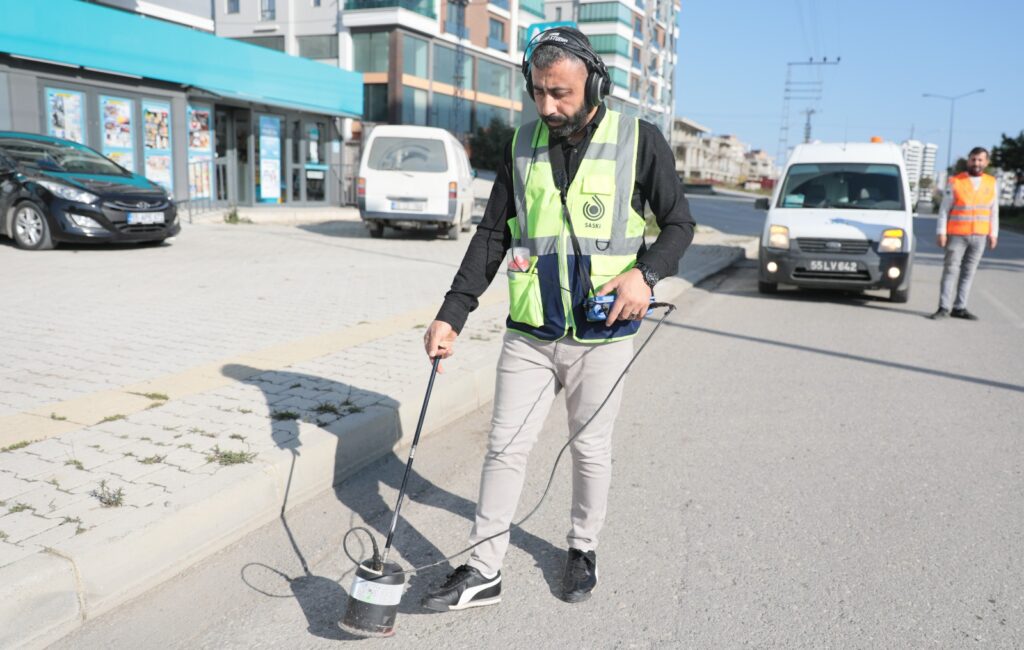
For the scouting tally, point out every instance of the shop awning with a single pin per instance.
(83, 34)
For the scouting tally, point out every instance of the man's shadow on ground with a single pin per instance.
(293, 398)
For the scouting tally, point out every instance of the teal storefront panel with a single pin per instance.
(79, 33)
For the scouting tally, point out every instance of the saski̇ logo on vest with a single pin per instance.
(593, 209)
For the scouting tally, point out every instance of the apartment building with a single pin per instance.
(455, 64)
(919, 158)
(701, 157)
(452, 64)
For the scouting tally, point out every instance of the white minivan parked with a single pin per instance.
(414, 177)
(841, 218)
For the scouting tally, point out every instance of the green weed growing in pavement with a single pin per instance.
(285, 415)
(128, 454)
(355, 409)
(3, 535)
(113, 418)
(154, 405)
(71, 520)
(108, 498)
(185, 445)
(237, 436)
(77, 464)
(97, 447)
(152, 460)
(233, 218)
(160, 397)
(20, 507)
(224, 457)
(17, 445)
(327, 407)
(60, 418)
(245, 411)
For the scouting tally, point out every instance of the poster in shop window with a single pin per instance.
(65, 114)
(200, 152)
(156, 122)
(270, 159)
(118, 143)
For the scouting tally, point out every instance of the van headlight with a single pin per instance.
(892, 241)
(778, 237)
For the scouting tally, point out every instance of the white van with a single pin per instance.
(841, 218)
(415, 177)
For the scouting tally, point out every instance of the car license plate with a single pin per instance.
(833, 266)
(145, 218)
(414, 206)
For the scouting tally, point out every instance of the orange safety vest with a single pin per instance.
(971, 212)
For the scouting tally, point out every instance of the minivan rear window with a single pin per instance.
(408, 155)
(855, 186)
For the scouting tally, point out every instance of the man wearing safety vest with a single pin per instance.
(566, 212)
(968, 217)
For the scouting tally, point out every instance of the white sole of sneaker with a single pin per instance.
(475, 603)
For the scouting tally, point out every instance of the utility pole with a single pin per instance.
(809, 91)
(458, 100)
(952, 106)
(807, 124)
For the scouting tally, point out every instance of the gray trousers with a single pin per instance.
(530, 374)
(963, 254)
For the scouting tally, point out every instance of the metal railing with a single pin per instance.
(207, 187)
(419, 6)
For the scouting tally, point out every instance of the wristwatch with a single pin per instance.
(651, 277)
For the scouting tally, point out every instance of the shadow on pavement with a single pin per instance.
(323, 600)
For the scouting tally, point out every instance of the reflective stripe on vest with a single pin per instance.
(609, 231)
(971, 211)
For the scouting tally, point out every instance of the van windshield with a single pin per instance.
(858, 186)
(408, 155)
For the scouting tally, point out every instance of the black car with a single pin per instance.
(54, 191)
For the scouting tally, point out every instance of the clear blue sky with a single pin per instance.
(733, 55)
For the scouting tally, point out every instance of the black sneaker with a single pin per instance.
(464, 587)
(580, 576)
(963, 313)
(940, 314)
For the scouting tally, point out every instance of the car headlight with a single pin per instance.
(892, 241)
(69, 193)
(778, 237)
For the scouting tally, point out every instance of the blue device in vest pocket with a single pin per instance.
(598, 307)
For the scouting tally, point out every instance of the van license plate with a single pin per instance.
(145, 218)
(834, 266)
(415, 206)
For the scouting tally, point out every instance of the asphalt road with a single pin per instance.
(803, 470)
(731, 215)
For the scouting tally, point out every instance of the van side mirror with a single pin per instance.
(761, 204)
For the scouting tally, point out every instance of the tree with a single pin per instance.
(487, 145)
(926, 182)
(1009, 156)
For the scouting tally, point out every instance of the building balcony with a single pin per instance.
(501, 4)
(451, 27)
(422, 7)
(497, 44)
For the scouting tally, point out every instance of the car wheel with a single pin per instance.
(467, 224)
(30, 229)
(453, 231)
(376, 229)
(767, 287)
(899, 295)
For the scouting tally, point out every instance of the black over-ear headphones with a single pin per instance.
(599, 82)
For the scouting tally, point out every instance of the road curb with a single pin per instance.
(83, 577)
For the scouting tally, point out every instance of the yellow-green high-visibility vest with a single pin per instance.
(547, 300)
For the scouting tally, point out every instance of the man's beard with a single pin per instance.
(566, 126)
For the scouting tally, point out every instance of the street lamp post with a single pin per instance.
(952, 105)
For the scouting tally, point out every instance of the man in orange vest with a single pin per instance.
(968, 217)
